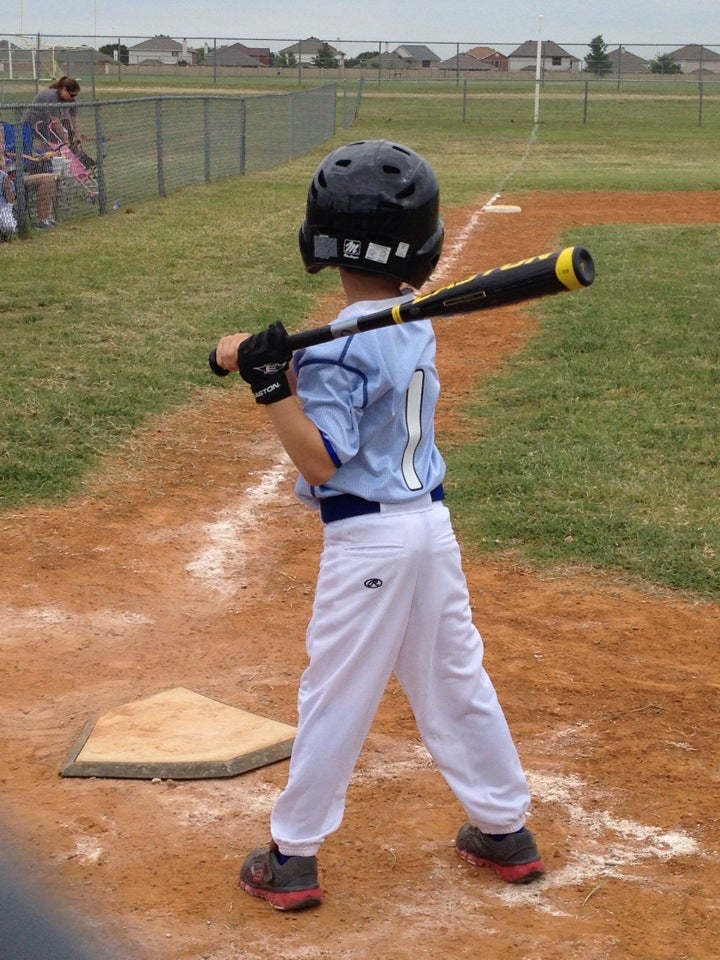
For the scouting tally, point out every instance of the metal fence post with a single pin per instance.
(99, 139)
(358, 100)
(36, 64)
(20, 193)
(206, 137)
(700, 100)
(243, 136)
(291, 129)
(159, 144)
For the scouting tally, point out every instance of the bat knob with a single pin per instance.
(215, 366)
(583, 265)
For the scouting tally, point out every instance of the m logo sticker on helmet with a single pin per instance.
(324, 247)
(377, 253)
(402, 250)
(352, 249)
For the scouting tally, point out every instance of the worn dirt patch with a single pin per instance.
(189, 564)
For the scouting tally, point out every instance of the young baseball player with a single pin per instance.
(356, 416)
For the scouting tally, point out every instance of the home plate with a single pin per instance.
(177, 735)
(501, 208)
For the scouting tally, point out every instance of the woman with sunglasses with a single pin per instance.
(53, 113)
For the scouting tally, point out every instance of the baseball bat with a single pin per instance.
(544, 275)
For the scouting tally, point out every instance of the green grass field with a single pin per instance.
(105, 324)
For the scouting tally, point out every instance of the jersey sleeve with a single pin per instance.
(334, 395)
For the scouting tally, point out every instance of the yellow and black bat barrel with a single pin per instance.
(549, 273)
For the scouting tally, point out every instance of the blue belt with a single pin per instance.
(348, 505)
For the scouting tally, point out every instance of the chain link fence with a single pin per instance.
(133, 150)
(217, 60)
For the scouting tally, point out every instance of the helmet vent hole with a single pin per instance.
(391, 168)
(345, 162)
(407, 192)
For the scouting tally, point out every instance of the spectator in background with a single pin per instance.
(53, 116)
(56, 103)
(43, 184)
(8, 223)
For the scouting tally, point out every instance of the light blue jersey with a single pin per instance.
(373, 397)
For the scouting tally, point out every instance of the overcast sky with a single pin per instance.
(664, 23)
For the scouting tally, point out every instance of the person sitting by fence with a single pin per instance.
(8, 223)
(35, 179)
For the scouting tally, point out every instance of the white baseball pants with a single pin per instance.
(392, 597)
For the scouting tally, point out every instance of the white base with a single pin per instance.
(501, 208)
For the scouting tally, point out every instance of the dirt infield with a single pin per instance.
(184, 568)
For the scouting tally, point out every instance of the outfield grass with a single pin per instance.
(107, 323)
(599, 443)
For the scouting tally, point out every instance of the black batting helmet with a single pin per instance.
(374, 206)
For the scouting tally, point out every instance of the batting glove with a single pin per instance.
(262, 362)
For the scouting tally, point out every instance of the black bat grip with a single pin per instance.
(215, 366)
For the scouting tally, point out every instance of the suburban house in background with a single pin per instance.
(416, 55)
(464, 63)
(388, 62)
(408, 56)
(406, 60)
(306, 50)
(493, 58)
(625, 62)
(694, 58)
(161, 49)
(238, 55)
(553, 57)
